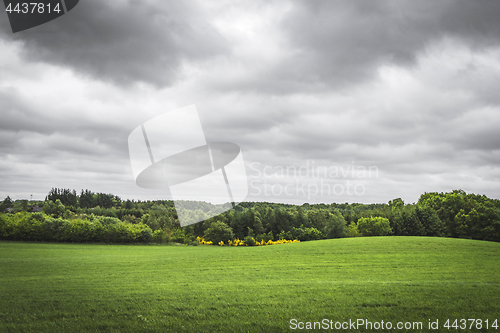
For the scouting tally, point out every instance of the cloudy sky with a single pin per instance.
(330, 101)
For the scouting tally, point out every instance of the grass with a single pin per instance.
(140, 288)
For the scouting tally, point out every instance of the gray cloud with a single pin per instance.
(341, 42)
(407, 86)
(124, 42)
(337, 44)
(41, 144)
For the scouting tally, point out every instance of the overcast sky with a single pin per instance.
(369, 100)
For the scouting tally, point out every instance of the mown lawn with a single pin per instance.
(141, 288)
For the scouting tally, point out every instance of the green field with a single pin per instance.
(141, 288)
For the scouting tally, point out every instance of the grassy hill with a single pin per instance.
(127, 288)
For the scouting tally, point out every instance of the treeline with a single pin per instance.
(42, 227)
(453, 214)
(87, 199)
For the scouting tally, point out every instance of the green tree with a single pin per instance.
(335, 225)
(432, 224)
(8, 203)
(265, 237)
(249, 240)
(66, 196)
(396, 204)
(159, 236)
(87, 199)
(406, 222)
(54, 209)
(374, 226)
(352, 230)
(300, 218)
(319, 218)
(280, 221)
(218, 232)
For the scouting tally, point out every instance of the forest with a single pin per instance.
(66, 216)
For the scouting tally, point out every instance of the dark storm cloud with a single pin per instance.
(474, 131)
(407, 86)
(334, 43)
(124, 41)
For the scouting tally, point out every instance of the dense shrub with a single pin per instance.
(352, 230)
(335, 226)
(285, 235)
(374, 226)
(54, 209)
(42, 227)
(249, 240)
(178, 236)
(159, 236)
(265, 237)
(105, 218)
(217, 232)
(146, 236)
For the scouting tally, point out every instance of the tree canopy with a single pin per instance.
(451, 214)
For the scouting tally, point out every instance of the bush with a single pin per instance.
(54, 209)
(40, 227)
(306, 234)
(146, 235)
(312, 234)
(58, 230)
(352, 230)
(249, 240)
(217, 232)
(374, 226)
(107, 220)
(285, 235)
(130, 219)
(159, 236)
(178, 236)
(265, 237)
(81, 231)
(3, 223)
(98, 231)
(335, 226)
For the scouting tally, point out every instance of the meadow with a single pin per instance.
(52, 287)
